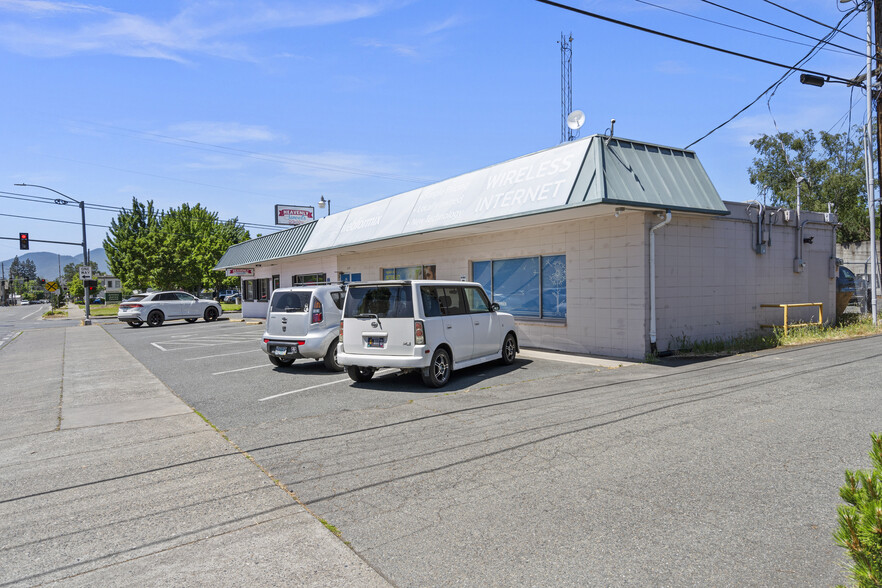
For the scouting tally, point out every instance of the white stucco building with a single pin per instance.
(562, 239)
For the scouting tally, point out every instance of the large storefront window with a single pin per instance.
(256, 289)
(413, 272)
(534, 287)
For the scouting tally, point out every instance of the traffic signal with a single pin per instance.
(23, 241)
(43, 281)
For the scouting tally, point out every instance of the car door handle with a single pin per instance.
(449, 326)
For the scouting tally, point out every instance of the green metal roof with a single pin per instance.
(273, 246)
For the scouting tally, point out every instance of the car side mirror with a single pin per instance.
(494, 307)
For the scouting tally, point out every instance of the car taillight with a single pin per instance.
(266, 340)
(317, 315)
(341, 330)
(419, 337)
(131, 306)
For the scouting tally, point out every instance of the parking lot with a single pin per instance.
(549, 472)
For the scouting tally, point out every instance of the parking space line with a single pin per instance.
(223, 355)
(382, 372)
(254, 367)
(158, 346)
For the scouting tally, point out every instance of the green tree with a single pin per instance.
(75, 287)
(131, 245)
(860, 520)
(190, 242)
(833, 167)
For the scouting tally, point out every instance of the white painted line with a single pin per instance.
(33, 313)
(223, 355)
(158, 346)
(254, 367)
(379, 373)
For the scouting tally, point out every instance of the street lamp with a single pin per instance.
(322, 203)
(85, 247)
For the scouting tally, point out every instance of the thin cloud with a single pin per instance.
(55, 29)
(221, 133)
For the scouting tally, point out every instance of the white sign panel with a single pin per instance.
(294, 215)
(85, 272)
(240, 271)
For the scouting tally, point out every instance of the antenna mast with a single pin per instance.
(566, 86)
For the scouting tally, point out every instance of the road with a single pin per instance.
(14, 319)
(548, 473)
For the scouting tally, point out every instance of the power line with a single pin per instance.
(778, 82)
(52, 220)
(784, 8)
(688, 41)
(722, 24)
(744, 14)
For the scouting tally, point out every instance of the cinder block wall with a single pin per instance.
(711, 282)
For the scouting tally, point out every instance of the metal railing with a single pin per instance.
(787, 308)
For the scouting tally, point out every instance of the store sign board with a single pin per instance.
(240, 272)
(294, 215)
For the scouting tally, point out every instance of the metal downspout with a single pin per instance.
(652, 331)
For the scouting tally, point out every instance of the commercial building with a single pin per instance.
(603, 246)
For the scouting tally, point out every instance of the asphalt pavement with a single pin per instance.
(108, 478)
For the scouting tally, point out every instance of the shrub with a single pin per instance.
(860, 521)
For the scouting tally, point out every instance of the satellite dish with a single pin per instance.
(576, 119)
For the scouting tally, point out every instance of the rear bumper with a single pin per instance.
(312, 347)
(420, 359)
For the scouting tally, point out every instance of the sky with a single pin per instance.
(240, 106)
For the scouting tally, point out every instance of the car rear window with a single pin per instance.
(136, 298)
(383, 301)
(290, 302)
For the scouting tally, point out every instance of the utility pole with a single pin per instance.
(877, 19)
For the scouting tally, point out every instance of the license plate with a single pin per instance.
(280, 350)
(376, 341)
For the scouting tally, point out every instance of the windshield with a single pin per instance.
(290, 302)
(382, 301)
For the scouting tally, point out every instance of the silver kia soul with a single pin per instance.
(303, 322)
(428, 325)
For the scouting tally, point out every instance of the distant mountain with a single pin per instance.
(47, 263)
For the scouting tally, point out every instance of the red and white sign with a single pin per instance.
(240, 271)
(294, 215)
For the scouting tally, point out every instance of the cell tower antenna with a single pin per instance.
(566, 86)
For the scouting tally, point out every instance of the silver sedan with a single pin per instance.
(155, 308)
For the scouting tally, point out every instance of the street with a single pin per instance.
(548, 472)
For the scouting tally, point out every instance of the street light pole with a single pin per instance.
(868, 152)
(82, 204)
(322, 203)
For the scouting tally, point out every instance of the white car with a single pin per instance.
(303, 322)
(428, 325)
(157, 307)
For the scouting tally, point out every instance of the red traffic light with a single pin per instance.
(23, 241)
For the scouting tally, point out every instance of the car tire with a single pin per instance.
(279, 361)
(210, 314)
(155, 319)
(438, 372)
(135, 324)
(331, 358)
(509, 350)
(360, 374)
(190, 320)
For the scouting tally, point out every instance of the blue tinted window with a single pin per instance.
(481, 273)
(516, 285)
(554, 286)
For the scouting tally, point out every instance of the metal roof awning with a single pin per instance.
(590, 171)
(273, 246)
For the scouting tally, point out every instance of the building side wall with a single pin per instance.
(711, 282)
(606, 278)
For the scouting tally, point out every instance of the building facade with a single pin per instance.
(601, 246)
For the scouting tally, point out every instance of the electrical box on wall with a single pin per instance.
(798, 265)
(788, 215)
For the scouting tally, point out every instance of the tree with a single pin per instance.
(833, 167)
(131, 245)
(190, 242)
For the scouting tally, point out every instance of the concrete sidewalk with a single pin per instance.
(108, 478)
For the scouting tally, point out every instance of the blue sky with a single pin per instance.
(243, 105)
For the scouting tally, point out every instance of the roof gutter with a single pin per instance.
(653, 348)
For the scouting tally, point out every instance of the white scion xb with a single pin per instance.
(429, 325)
